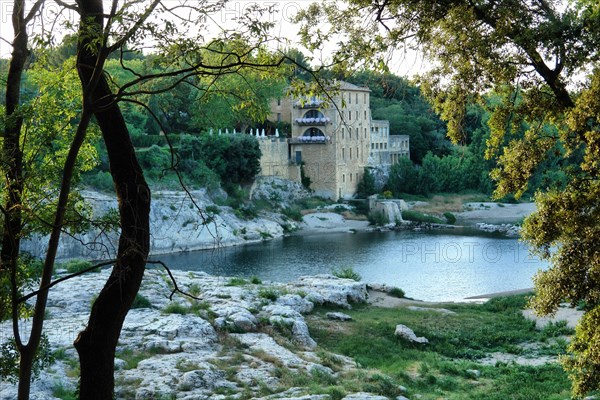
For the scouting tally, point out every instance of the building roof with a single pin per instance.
(350, 86)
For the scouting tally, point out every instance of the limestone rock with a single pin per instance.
(405, 332)
(437, 310)
(338, 316)
(364, 396)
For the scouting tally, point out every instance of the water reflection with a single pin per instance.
(440, 266)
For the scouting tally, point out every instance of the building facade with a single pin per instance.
(332, 141)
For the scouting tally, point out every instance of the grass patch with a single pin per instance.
(440, 369)
(417, 216)
(347, 273)
(237, 282)
(396, 292)
(176, 308)
(141, 302)
(268, 293)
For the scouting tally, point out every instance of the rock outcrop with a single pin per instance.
(221, 342)
(176, 222)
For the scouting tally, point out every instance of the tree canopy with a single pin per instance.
(540, 59)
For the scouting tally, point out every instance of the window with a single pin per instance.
(356, 115)
(365, 97)
(357, 134)
(349, 115)
(349, 98)
(365, 114)
(344, 178)
(342, 133)
(278, 117)
(385, 146)
(356, 98)
(298, 157)
(372, 145)
(356, 177)
(350, 177)
(350, 152)
(278, 101)
(343, 153)
(365, 133)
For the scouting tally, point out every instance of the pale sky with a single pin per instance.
(403, 63)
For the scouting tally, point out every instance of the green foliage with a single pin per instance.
(416, 216)
(347, 273)
(292, 213)
(440, 369)
(234, 158)
(61, 392)
(450, 218)
(378, 218)
(9, 362)
(304, 179)
(366, 186)
(141, 302)
(176, 308)
(268, 293)
(74, 266)
(396, 292)
(237, 282)
(255, 280)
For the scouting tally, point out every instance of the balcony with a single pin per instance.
(312, 103)
(322, 121)
(310, 140)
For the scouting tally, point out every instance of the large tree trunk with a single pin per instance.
(97, 342)
(12, 157)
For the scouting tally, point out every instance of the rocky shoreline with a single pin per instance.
(184, 344)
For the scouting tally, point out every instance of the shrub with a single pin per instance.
(347, 273)
(269, 294)
(450, 218)
(255, 280)
(237, 282)
(378, 218)
(75, 266)
(396, 292)
(176, 308)
(141, 302)
(410, 215)
(292, 213)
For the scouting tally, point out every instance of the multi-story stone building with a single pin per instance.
(332, 141)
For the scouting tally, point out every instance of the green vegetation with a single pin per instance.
(74, 266)
(236, 282)
(141, 302)
(347, 273)
(416, 216)
(268, 293)
(443, 368)
(396, 292)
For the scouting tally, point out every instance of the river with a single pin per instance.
(432, 266)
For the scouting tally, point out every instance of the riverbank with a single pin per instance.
(315, 338)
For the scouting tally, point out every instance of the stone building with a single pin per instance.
(332, 141)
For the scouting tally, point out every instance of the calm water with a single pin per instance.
(427, 266)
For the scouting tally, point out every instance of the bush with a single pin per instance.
(176, 308)
(397, 292)
(346, 273)
(450, 218)
(269, 294)
(378, 218)
(410, 215)
(75, 266)
(141, 302)
(292, 213)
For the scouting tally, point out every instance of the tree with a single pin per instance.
(99, 36)
(541, 57)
